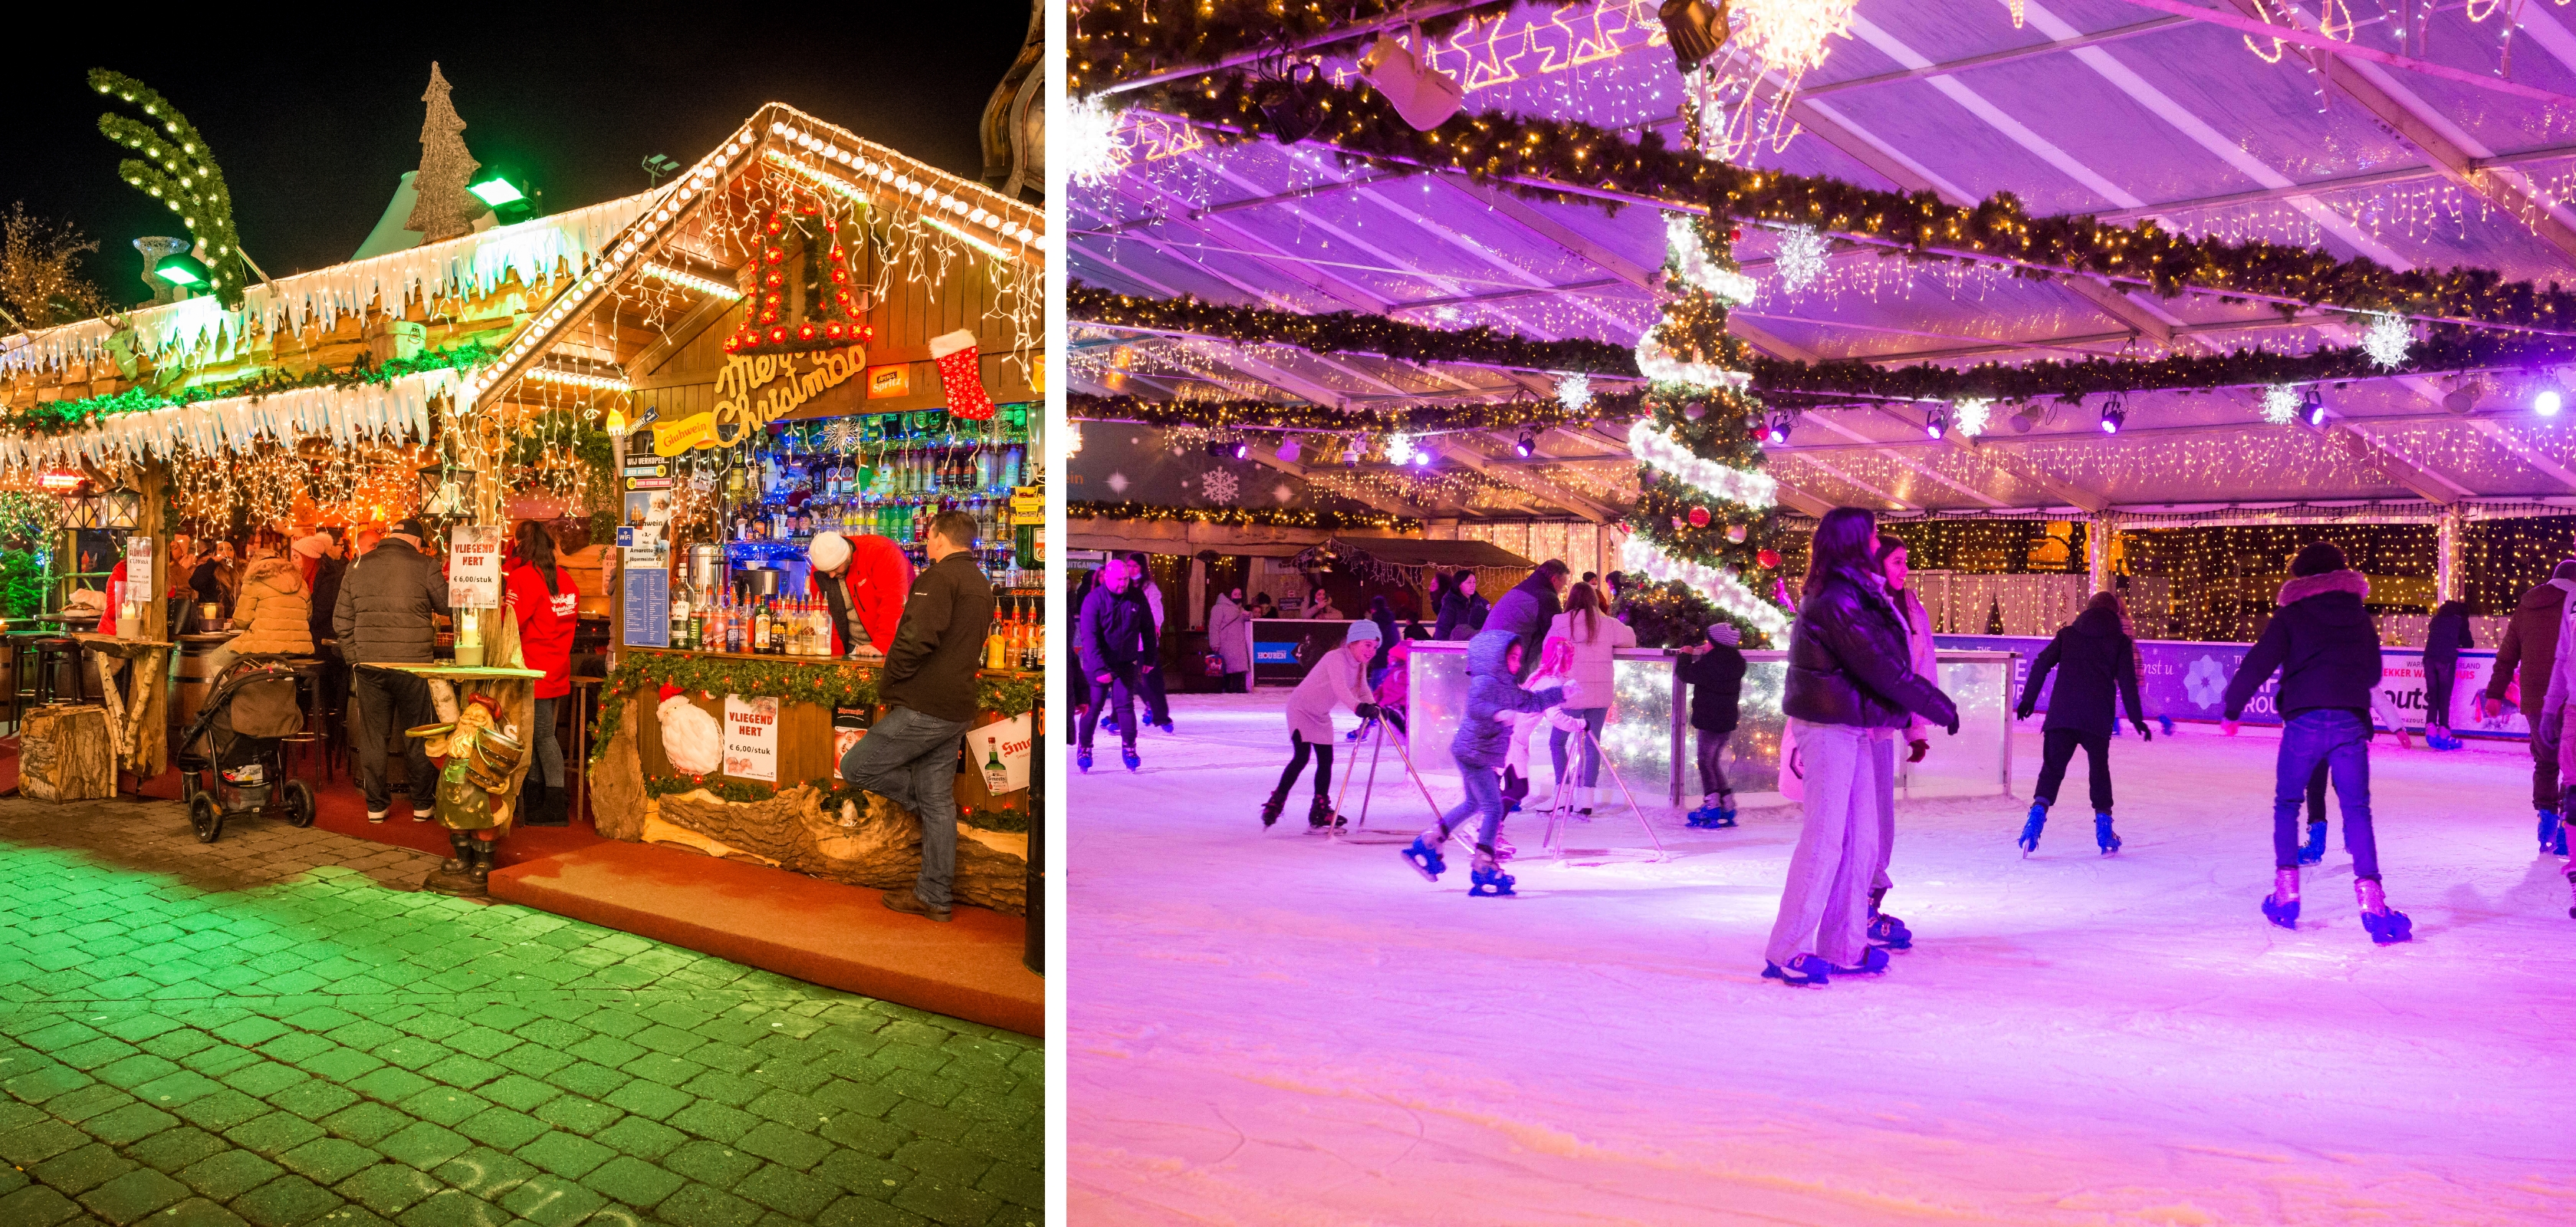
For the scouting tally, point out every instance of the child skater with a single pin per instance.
(1479, 748)
(2327, 651)
(1556, 662)
(1340, 677)
(2093, 658)
(1715, 672)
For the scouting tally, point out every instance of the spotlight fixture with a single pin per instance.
(1527, 446)
(1229, 449)
(1777, 429)
(2115, 413)
(182, 269)
(497, 191)
(2548, 402)
(2312, 407)
(1934, 424)
(1695, 29)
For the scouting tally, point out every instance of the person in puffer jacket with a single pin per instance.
(1527, 610)
(2326, 649)
(1114, 640)
(1480, 746)
(1851, 687)
(2094, 660)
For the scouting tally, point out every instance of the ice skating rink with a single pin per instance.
(1278, 1028)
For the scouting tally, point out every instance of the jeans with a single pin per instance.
(1851, 793)
(2340, 740)
(1322, 753)
(550, 764)
(388, 702)
(2057, 749)
(1593, 719)
(1484, 796)
(1126, 683)
(911, 759)
(1712, 773)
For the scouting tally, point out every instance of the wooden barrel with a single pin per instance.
(196, 677)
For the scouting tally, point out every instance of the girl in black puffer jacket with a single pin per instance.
(1851, 685)
(2094, 659)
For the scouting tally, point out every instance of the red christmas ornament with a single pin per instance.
(1735, 234)
(1699, 517)
(1768, 557)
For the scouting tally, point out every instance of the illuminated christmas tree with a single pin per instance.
(1705, 526)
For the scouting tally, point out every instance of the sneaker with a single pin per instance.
(910, 904)
(375, 815)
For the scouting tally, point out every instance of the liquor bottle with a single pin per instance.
(795, 616)
(818, 620)
(734, 628)
(777, 629)
(680, 614)
(996, 644)
(995, 775)
(710, 633)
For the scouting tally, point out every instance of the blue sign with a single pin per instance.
(648, 607)
(1275, 653)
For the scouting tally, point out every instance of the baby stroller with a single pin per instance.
(232, 760)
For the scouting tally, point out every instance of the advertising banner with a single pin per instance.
(1000, 753)
(474, 566)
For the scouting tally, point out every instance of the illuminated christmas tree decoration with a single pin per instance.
(1687, 254)
(1653, 447)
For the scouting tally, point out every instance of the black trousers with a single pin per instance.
(1322, 752)
(2544, 772)
(2439, 677)
(1233, 683)
(388, 702)
(1125, 683)
(2058, 749)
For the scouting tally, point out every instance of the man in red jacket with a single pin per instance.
(867, 603)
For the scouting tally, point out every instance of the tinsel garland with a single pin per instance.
(64, 416)
(181, 173)
(1273, 517)
(823, 683)
(1528, 155)
(1347, 332)
(1116, 40)
(1275, 415)
(834, 793)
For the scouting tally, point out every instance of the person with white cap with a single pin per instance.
(872, 579)
(1339, 678)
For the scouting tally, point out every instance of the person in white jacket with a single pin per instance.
(1894, 564)
(1593, 635)
(1339, 679)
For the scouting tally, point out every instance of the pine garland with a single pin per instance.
(1116, 40)
(181, 173)
(1347, 332)
(833, 792)
(1275, 415)
(64, 416)
(821, 682)
(1276, 517)
(1528, 155)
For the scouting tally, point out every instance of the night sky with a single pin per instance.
(314, 123)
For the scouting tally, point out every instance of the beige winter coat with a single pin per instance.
(275, 611)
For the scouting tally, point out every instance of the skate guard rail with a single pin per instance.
(1648, 736)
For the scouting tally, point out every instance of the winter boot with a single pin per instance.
(2029, 840)
(2281, 907)
(1725, 811)
(2549, 828)
(1270, 811)
(2104, 835)
(1424, 854)
(2387, 925)
(1803, 970)
(1486, 877)
(1127, 755)
(1320, 815)
(478, 853)
(1872, 962)
(2314, 850)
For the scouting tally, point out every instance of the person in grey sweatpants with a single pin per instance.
(1826, 904)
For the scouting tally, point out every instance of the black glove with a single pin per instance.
(1953, 727)
(1367, 711)
(2143, 734)
(2024, 713)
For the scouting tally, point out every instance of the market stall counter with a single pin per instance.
(738, 756)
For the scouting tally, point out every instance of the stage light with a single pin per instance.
(1933, 425)
(497, 191)
(182, 270)
(1778, 428)
(1527, 446)
(2548, 402)
(1229, 449)
(2115, 413)
(2312, 407)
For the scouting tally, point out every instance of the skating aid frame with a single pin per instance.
(1377, 752)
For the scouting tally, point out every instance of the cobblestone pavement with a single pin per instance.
(262, 1031)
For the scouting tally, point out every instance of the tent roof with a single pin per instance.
(1421, 552)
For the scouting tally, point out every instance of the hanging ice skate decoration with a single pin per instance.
(1972, 415)
(2388, 339)
(2280, 404)
(1800, 258)
(1741, 63)
(1703, 525)
(1423, 95)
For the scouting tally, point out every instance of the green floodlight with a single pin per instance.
(497, 191)
(182, 270)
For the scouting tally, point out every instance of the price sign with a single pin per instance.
(474, 567)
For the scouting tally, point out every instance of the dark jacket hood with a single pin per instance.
(2334, 598)
(2098, 622)
(2550, 595)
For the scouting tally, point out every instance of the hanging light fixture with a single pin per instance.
(1935, 423)
(1527, 446)
(2115, 414)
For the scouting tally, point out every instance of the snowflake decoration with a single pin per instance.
(1971, 415)
(1800, 258)
(2389, 338)
(1219, 486)
(1399, 449)
(2280, 404)
(842, 434)
(1089, 132)
(1072, 439)
(1574, 392)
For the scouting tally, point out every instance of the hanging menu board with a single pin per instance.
(648, 607)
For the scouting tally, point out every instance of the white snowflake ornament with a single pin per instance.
(1219, 485)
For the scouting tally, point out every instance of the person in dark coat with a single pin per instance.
(1462, 612)
(2092, 657)
(1527, 610)
(1715, 673)
(1115, 640)
(382, 616)
(2444, 638)
(2524, 656)
(2326, 649)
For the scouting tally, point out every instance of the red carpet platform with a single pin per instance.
(824, 932)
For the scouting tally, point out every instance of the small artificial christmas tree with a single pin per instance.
(1705, 527)
(444, 210)
(175, 167)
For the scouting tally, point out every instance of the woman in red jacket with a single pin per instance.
(542, 597)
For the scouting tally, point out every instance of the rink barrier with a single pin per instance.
(1648, 736)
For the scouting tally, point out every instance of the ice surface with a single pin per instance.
(1280, 1028)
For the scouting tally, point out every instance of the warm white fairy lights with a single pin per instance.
(1663, 366)
(1690, 255)
(691, 281)
(1651, 446)
(2388, 339)
(1574, 392)
(1971, 416)
(1719, 585)
(579, 379)
(1087, 132)
(1800, 258)
(1790, 36)
(2280, 404)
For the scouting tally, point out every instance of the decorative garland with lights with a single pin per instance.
(1275, 415)
(64, 416)
(1269, 517)
(1008, 821)
(830, 321)
(825, 684)
(1346, 332)
(1118, 40)
(181, 173)
(1529, 155)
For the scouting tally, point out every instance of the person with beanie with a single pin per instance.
(2326, 649)
(864, 581)
(2094, 659)
(1114, 641)
(1340, 678)
(1482, 743)
(2525, 656)
(1715, 673)
(1595, 638)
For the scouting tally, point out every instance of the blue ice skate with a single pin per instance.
(2104, 835)
(1425, 857)
(1725, 814)
(2549, 828)
(2314, 851)
(2559, 845)
(1127, 755)
(2029, 840)
(1486, 878)
(1701, 818)
(2386, 925)
(2165, 724)
(1803, 970)
(1082, 759)
(1872, 962)
(2281, 907)
(1888, 931)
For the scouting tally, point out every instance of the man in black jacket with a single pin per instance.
(1715, 673)
(2092, 657)
(1527, 609)
(1114, 640)
(2327, 651)
(382, 616)
(909, 756)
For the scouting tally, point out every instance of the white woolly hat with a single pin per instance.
(828, 551)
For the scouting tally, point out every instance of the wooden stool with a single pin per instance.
(54, 653)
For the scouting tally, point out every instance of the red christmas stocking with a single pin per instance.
(961, 375)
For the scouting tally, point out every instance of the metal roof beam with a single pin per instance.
(1459, 450)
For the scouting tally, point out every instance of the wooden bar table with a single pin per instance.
(137, 719)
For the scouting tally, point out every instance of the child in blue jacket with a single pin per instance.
(1484, 736)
